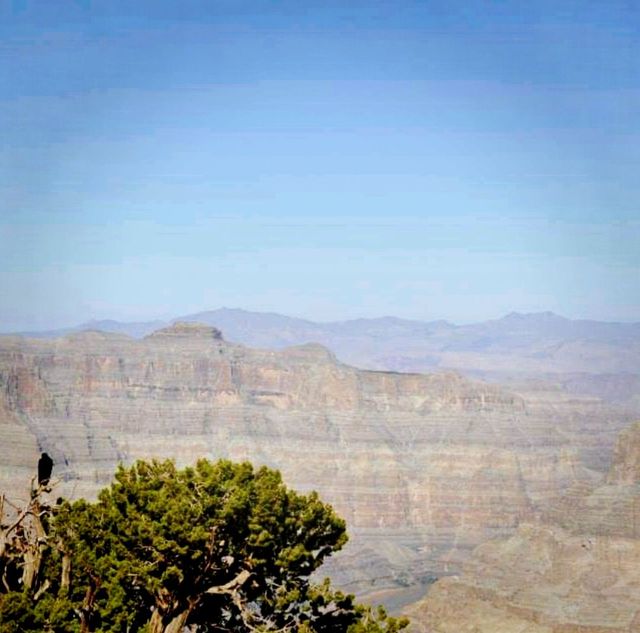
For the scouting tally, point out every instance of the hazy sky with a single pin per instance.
(322, 159)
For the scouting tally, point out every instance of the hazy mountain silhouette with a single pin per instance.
(586, 356)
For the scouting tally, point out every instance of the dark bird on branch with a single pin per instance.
(45, 467)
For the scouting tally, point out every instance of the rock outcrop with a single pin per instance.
(626, 458)
(422, 467)
(577, 571)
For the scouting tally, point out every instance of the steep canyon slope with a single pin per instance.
(577, 570)
(423, 467)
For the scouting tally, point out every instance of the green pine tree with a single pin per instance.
(217, 547)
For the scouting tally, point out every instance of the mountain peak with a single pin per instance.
(538, 317)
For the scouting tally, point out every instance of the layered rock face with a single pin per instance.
(577, 571)
(584, 357)
(626, 458)
(422, 467)
(20, 449)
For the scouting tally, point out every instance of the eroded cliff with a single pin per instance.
(576, 571)
(423, 467)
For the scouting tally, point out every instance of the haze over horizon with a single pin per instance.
(414, 159)
(143, 327)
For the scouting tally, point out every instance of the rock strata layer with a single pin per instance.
(422, 467)
(576, 572)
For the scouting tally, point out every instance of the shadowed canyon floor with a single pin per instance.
(423, 467)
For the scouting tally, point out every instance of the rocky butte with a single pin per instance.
(585, 357)
(575, 571)
(424, 467)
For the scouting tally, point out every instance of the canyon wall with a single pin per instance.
(422, 467)
(577, 570)
(580, 356)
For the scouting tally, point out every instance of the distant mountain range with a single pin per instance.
(276, 330)
(136, 329)
(585, 356)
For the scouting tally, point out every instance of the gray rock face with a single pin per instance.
(422, 467)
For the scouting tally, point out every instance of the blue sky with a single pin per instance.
(330, 160)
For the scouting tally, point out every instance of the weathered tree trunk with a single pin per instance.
(177, 624)
(155, 624)
(87, 606)
(3, 532)
(65, 579)
(35, 548)
(30, 568)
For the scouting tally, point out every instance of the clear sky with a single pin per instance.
(447, 159)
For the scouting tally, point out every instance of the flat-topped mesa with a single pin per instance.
(625, 467)
(185, 330)
(312, 352)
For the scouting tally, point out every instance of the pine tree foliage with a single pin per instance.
(212, 548)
